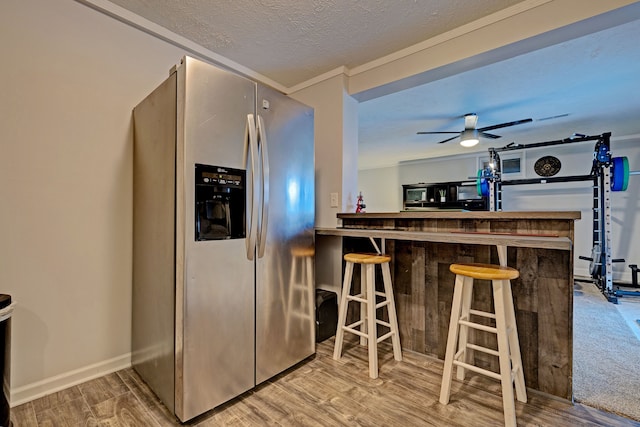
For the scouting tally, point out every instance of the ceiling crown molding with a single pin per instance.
(129, 18)
(450, 35)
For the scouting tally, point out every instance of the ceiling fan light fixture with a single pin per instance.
(469, 138)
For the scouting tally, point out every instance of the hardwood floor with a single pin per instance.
(318, 392)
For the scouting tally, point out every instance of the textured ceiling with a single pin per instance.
(291, 41)
(584, 81)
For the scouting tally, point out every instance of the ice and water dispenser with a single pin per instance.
(220, 203)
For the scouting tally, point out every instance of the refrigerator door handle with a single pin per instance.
(264, 212)
(250, 154)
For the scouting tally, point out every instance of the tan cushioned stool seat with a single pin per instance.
(359, 258)
(485, 271)
(303, 252)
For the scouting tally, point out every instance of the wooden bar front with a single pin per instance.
(423, 284)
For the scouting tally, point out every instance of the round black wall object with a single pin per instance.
(547, 166)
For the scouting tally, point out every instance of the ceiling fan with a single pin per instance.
(470, 136)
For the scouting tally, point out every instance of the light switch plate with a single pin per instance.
(334, 200)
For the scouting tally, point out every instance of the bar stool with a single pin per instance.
(459, 350)
(366, 327)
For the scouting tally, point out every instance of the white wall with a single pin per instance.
(439, 170)
(70, 77)
(380, 189)
(336, 146)
(349, 154)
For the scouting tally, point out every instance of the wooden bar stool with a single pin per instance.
(366, 327)
(459, 350)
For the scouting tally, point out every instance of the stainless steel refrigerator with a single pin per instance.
(223, 221)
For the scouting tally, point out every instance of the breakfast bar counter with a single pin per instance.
(423, 244)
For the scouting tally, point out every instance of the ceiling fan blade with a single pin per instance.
(489, 135)
(447, 140)
(430, 133)
(504, 125)
(470, 122)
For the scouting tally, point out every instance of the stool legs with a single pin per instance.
(372, 329)
(364, 290)
(342, 310)
(367, 326)
(504, 356)
(391, 307)
(445, 388)
(466, 333)
(514, 346)
(459, 350)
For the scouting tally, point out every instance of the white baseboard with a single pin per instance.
(581, 272)
(620, 277)
(29, 392)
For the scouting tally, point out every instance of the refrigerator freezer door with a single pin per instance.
(285, 323)
(215, 302)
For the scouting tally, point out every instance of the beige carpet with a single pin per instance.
(606, 355)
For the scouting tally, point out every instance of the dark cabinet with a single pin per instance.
(443, 195)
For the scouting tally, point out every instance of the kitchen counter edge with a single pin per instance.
(568, 215)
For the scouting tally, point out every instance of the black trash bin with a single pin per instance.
(5, 357)
(326, 314)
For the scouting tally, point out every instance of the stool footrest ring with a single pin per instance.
(483, 314)
(478, 326)
(385, 336)
(354, 324)
(383, 323)
(483, 349)
(382, 304)
(477, 369)
(357, 297)
(355, 331)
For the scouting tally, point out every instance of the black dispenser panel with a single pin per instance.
(220, 203)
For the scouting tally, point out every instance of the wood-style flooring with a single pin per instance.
(317, 392)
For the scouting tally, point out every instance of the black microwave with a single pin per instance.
(467, 192)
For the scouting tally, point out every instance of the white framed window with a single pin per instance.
(512, 165)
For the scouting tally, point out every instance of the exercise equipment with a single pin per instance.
(620, 174)
(482, 183)
(634, 284)
(634, 275)
(608, 174)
